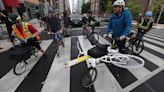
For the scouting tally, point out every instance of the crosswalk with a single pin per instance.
(55, 78)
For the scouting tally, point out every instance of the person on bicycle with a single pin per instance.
(26, 34)
(144, 25)
(120, 22)
(146, 22)
(55, 27)
(91, 20)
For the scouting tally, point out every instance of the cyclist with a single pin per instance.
(120, 22)
(54, 25)
(146, 22)
(91, 20)
(144, 25)
(26, 34)
(84, 19)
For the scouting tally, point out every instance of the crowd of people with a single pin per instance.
(120, 22)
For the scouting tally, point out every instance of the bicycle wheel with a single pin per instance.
(94, 37)
(19, 68)
(127, 61)
(89, 78)
(138, 47)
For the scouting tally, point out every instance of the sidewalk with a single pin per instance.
(5, 44)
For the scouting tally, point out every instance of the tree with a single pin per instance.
(103, 5)
(134, 8)
(86, 7)
(156, 7)
(109, 6)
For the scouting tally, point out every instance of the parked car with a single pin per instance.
(76, 19)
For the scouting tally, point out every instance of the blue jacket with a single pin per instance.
(120, 25)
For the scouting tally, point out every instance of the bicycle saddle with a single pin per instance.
(98, 51)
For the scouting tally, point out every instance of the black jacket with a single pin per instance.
(53, 23)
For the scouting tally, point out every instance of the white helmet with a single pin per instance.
(119, 2)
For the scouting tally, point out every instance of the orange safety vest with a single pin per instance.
(26, 34)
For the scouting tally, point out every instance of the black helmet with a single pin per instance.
(51, 10)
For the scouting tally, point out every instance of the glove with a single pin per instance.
(122, 37)
(105, 35)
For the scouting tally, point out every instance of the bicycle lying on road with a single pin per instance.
(104, 54)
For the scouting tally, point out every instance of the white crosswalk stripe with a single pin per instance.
(154, 41)
(59, 76)
(155, 48)
(156, 38)
(156, 35)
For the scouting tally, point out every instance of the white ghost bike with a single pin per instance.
(112, 56)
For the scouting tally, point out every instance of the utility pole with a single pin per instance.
(160, 13)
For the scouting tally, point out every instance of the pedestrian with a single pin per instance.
(67, 23)
(5, 17)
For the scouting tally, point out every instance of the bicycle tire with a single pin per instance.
(133, 61)
(94, 37)
(19, 65)
(137, 47)
(89, 78)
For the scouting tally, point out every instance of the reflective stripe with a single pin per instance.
(144, 27)
(25, 32)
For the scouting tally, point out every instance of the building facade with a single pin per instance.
(95, 6)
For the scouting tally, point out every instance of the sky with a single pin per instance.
(73, 5)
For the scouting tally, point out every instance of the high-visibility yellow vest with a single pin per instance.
(25, 34)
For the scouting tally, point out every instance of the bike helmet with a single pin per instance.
(51, 10)
(119, 3)
(149, 14)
